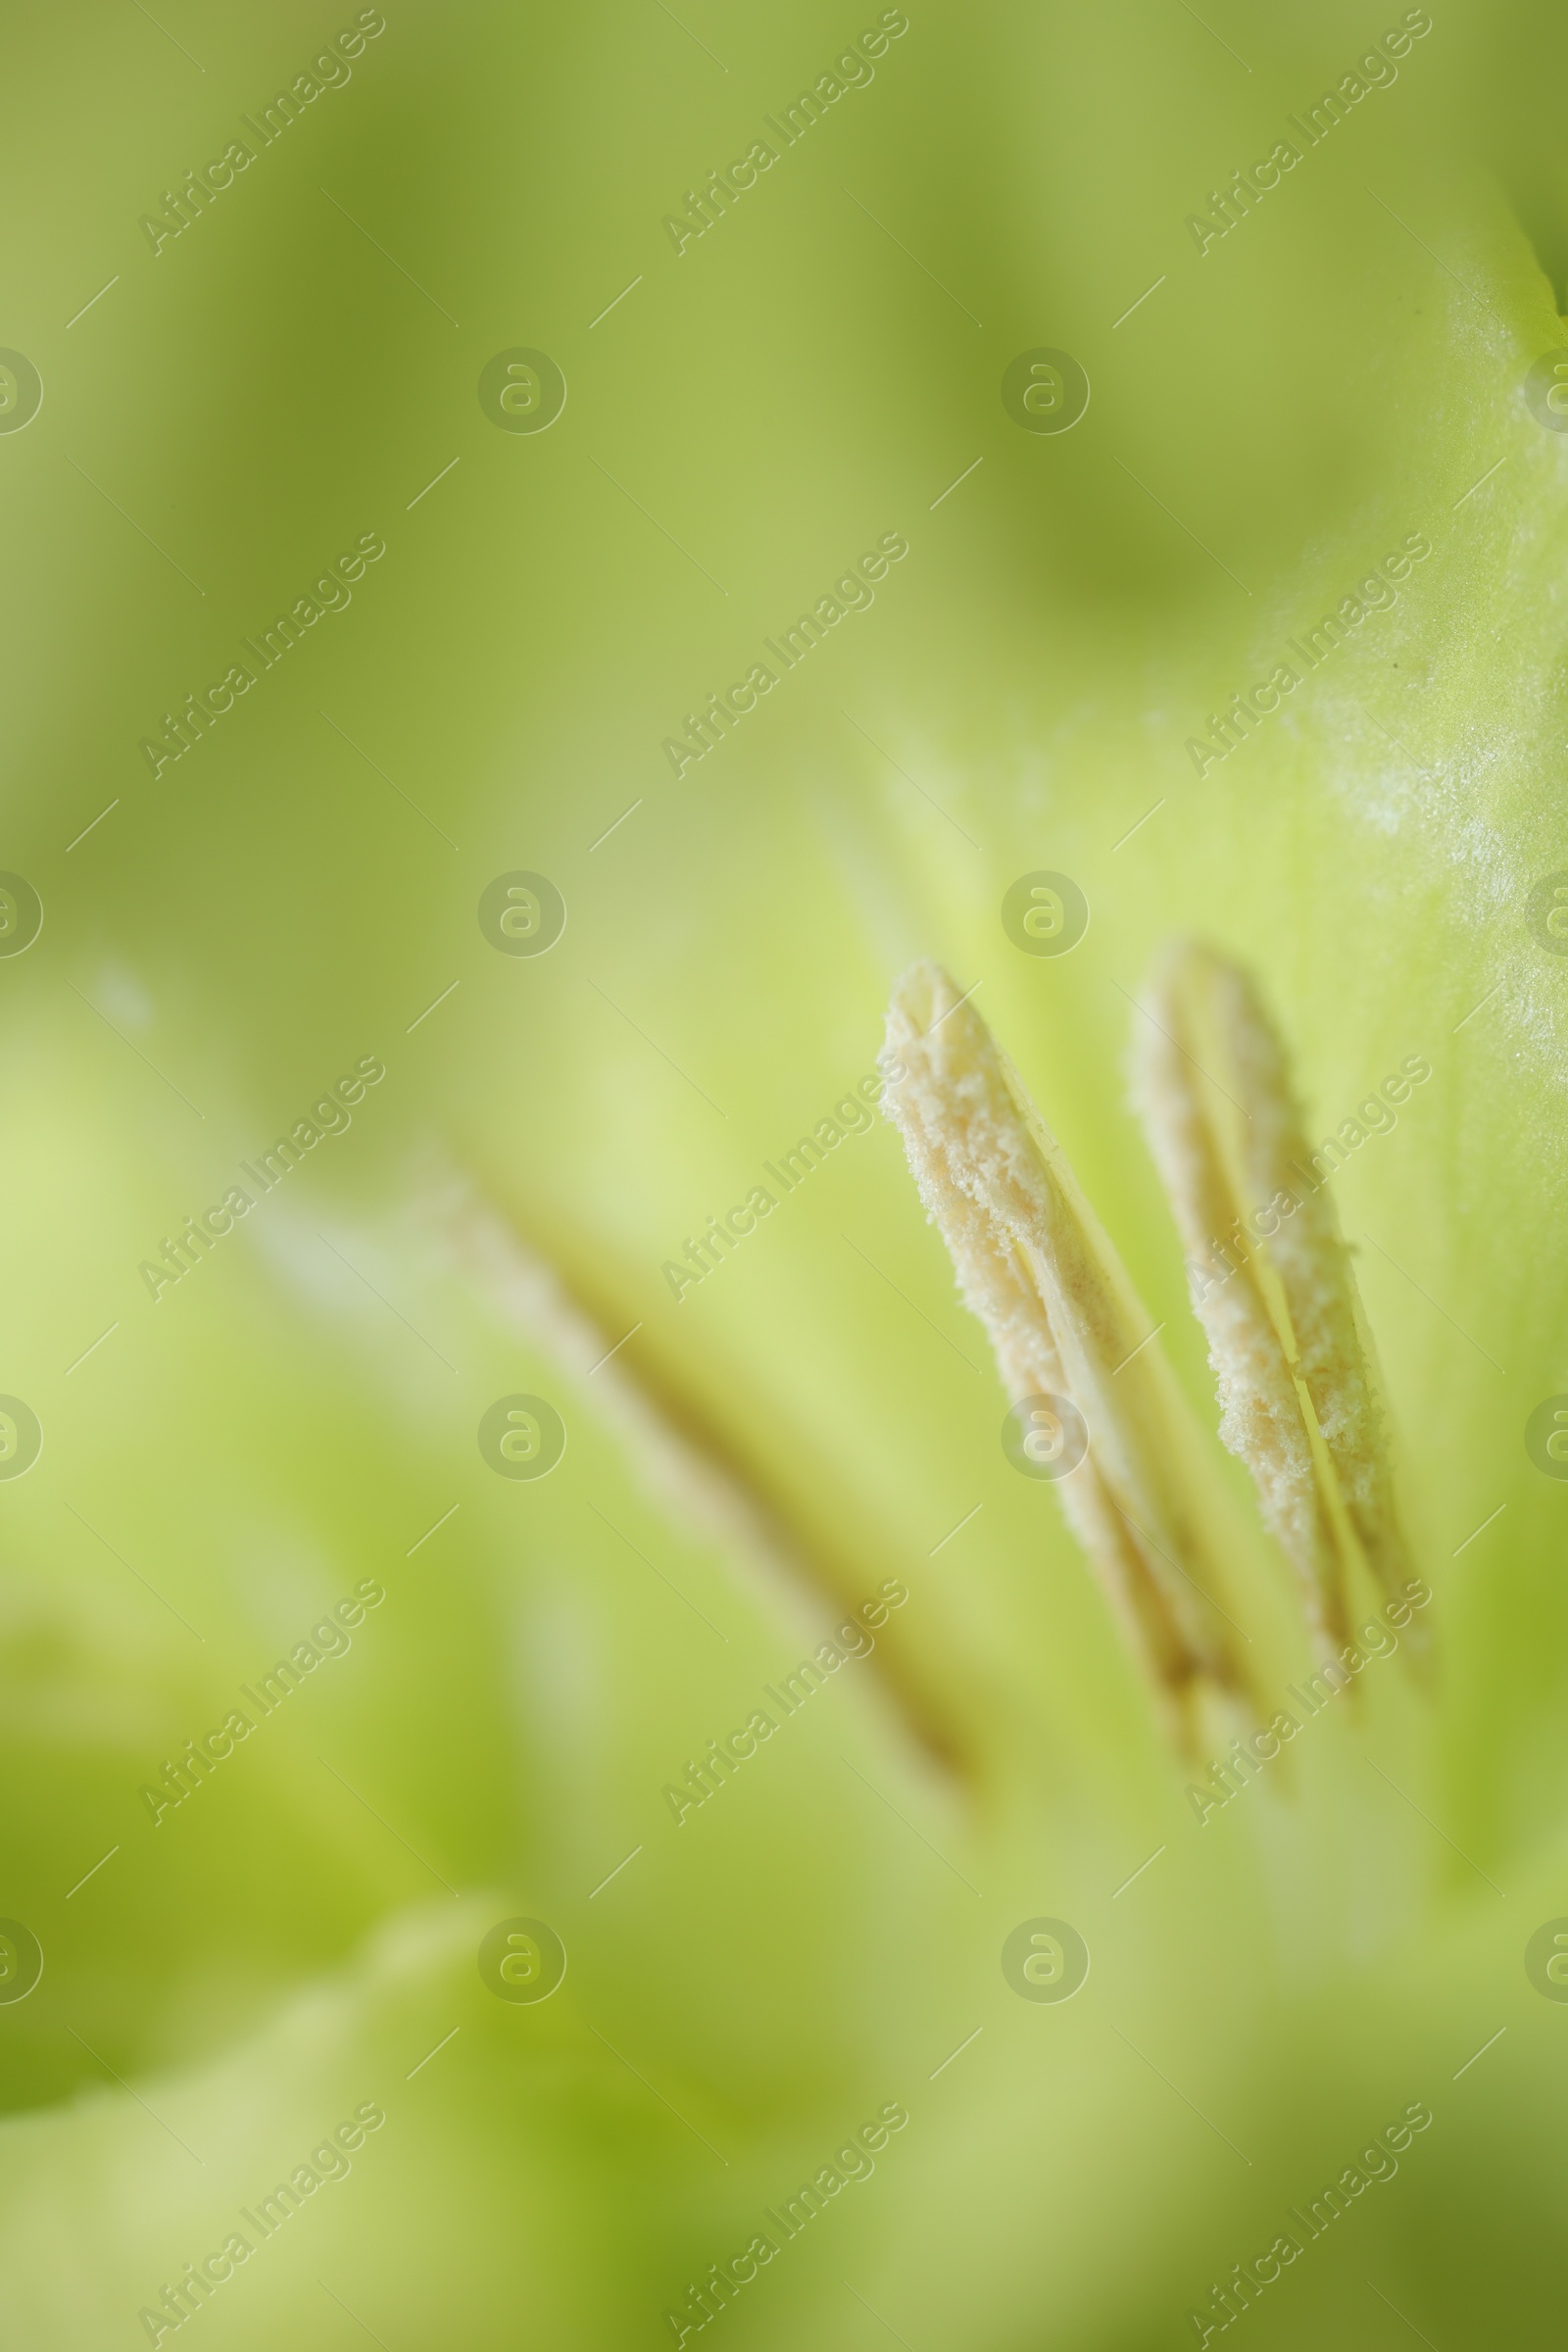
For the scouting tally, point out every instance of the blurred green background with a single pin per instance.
(222, 419)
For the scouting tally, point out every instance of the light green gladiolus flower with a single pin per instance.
(645, 648)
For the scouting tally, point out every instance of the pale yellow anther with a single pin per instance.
(1036, 1268)
(1271, 1282)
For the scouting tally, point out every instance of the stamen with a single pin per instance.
(1063, 1320)
(706, 1478)
(1271, 1282)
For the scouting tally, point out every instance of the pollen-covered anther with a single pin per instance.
(1036, 1268)
(1271, 1282)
